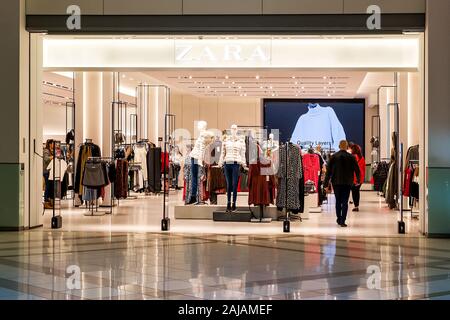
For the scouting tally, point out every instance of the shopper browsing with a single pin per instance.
(356, 188)
(342, 168)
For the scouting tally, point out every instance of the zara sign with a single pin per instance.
(222, 52)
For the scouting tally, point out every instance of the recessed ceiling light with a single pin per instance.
(296, 82)
(330, 82)
(226, 77)
(303, 88)
(324, 77)
(190, 77)
(124, 76)
(270, 87)
(240, 87)
(261, 87)
(293, 77)
(257, 77)
(233, 82)
(273, 94)
(296, 95)
(329, 95)
(325, 88)
(223, 82)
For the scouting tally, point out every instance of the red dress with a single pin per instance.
(261, 187)
(311, 168)
(362, 168)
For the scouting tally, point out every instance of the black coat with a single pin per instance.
(342, 168)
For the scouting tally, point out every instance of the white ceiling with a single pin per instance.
(257, 83)
(239, 83)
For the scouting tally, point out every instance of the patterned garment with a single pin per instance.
(294, 176)
(202, 193)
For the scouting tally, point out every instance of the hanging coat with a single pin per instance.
(293, 199)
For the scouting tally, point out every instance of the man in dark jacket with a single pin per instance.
(342, 168)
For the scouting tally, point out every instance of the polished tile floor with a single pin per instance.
(39, 264)
(125, 256)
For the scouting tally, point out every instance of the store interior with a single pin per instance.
(123, 137)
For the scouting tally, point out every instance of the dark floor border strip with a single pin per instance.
(428, 295)
(247, 244)
(93, 250)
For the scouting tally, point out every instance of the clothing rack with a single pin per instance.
(414, 214)
(286, 222)
(56, 183)
(89, 204)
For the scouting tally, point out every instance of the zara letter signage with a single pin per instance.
(238, 53)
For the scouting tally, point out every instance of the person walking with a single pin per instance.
(342, 168)
(356, 188)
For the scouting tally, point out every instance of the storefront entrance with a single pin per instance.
(150, 95)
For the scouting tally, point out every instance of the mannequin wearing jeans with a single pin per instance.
(232, 176)
(197, 157)
(232, 158)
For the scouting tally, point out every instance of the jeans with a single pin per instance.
(47, 186)
(342, 194)
(176, 174)
(194, 174)
(232, 177)
(356, 195)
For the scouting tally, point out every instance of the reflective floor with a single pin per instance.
(43, 264)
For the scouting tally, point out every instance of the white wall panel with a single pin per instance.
(191, 112)
(56, 7)
(387, 6)
(150, 7)
(303, 6)
(209, 112)
(222, 7)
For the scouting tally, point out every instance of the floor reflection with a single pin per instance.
(142, 266)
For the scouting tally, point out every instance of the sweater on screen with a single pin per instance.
(319, 126)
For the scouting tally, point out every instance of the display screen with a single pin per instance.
(313, 122)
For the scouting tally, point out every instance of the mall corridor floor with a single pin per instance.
(43, 264)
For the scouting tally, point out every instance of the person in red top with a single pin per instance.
(356, 188)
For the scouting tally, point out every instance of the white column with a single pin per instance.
(36, 132)
(404, 111)
(153, 115)
(385, 119)
(414, 108)
(93, 107)
(79, 110)
(107, 99)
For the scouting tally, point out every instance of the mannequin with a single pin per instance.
(271, 148)
(197, 156)
(232, 158)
